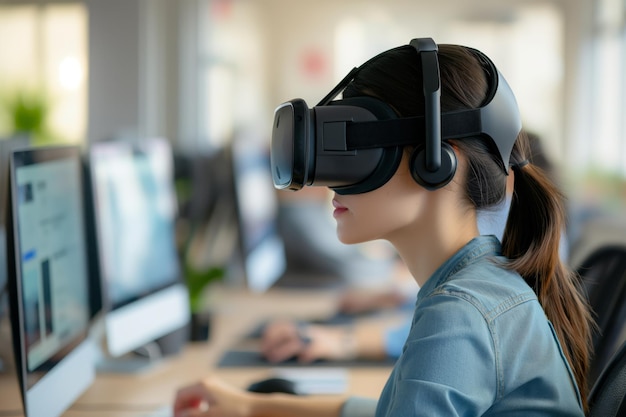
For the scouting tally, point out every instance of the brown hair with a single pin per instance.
(537, 215)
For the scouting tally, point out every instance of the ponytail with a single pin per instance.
(531, 242)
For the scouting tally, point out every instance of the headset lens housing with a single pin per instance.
(282, 147)
(290, 148)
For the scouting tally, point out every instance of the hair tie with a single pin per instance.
(520, 164)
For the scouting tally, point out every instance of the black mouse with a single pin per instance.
(270, 385)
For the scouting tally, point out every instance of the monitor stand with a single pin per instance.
(146, 357)
(140, 360)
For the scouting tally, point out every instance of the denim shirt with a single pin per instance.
(479, 345)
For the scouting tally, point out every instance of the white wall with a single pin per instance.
(144, 57)
(512, 39)
(114, 101)
(134, 80)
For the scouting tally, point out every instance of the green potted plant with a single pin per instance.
(198, 276)
(27, 112)
(197, 282)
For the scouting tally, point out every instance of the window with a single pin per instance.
(606, 147)
(43, 57)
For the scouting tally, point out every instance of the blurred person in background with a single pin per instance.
(315, 257)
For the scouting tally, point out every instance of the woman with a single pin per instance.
(498, 329)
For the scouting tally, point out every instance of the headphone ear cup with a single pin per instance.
(432, 180)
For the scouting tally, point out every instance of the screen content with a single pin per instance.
(135, 205)
(52, 260)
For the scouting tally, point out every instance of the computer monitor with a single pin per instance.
(135, 206)
(8, 375)
(7, 146)
(48, 279)
(261, 247)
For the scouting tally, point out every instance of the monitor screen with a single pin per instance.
(261, 246)
(51, 284)
(135, 209)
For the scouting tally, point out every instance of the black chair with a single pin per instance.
(606, 398)
(603, 276)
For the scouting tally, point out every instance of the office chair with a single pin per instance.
(606, 398)
(603, 276)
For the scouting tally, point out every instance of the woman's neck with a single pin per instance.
(442, 231)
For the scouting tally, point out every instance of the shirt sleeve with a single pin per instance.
(449, 362)
(359, 407)
(395, 338)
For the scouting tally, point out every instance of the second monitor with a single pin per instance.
(263, 257)
(135, 207)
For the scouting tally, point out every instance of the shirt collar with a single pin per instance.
(477, 248)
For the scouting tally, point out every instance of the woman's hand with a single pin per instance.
(212, 398)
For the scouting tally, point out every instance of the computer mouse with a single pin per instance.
(275, 384)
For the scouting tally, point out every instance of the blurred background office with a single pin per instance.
(199, 71)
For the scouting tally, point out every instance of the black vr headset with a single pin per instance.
(355, 145)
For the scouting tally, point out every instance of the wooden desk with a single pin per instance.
(236, 313)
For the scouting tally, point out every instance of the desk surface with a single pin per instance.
(235, 313)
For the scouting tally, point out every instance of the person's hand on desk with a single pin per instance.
(212, 397)
(284, 340)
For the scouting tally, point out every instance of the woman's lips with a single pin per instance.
(339, 209)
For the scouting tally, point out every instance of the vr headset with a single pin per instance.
(355, 145)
